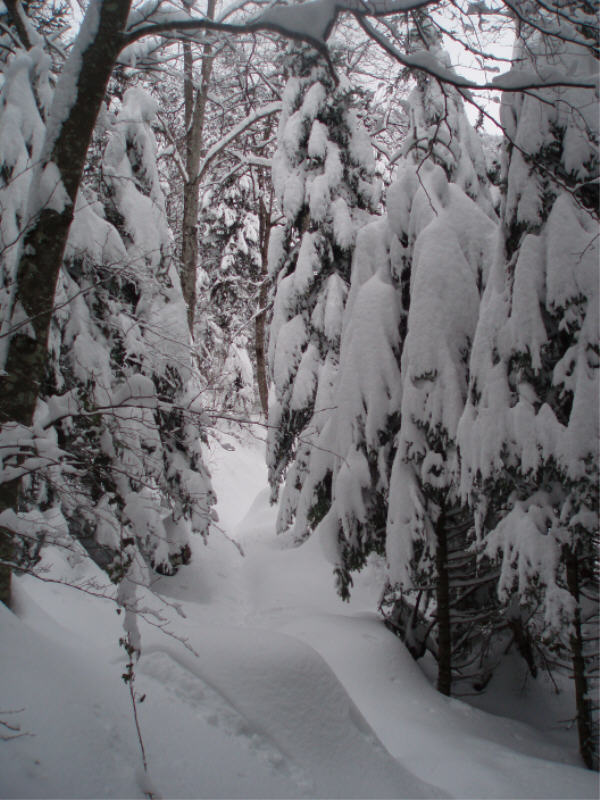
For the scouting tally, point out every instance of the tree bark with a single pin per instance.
(69, 132)
(585, 725)
(195, 106)
(12, 6)
(264, 224)
(444, 681)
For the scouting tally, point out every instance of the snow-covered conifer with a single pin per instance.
(153, 447)
(529, 433)
(323, 176)
(408, 325)
(439, 129)
(132, 484)
(228, 289)
(24, 98)
(428, 525)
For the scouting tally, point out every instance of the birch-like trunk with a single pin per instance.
(194, 111)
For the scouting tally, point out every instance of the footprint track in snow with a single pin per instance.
(217, 711)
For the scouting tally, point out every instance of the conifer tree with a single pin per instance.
(129, 346)
(323, 177)
(529, 433)
(408, 326)
(119, 465)
(230, 279)
(436, 595)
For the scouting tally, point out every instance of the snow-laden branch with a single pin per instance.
(265, 111)
(252, 160)
(515, 80)
(173, 151)
(310, 22)
(313, 21)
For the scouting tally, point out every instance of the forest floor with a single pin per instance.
(290, 691)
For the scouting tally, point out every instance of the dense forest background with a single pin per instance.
(370, 228)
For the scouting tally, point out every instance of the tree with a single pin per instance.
(408, 324)
(195, 100)
(120, 374)
(50, 206)
(231, 282)
(529, 433)
(323, 178)
(429, 527)
(313, 283)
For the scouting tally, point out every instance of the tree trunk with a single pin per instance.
(585, 725)
(12, 6)
(264, 224)
(195, 106)
(66, 145)
(444, 682)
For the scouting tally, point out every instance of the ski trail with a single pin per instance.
(195, 690)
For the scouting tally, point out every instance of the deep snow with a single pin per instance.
(291, 693)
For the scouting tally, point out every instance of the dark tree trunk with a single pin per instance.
(444, 682)
(264, 220)
(585, 724)
(46, 236)
(12, 6)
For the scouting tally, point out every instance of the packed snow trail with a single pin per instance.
(292, 693)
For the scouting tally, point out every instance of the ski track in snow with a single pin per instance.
(193, 690)
(292, 693)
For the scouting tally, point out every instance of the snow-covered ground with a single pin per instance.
(290, 692)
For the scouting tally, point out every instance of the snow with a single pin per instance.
(292, 693)
(371, 390)
(290, 342)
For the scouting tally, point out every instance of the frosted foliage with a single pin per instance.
(335, 297)
(361, 149)
(407, 523)
(366, 393)
(290, 97)
(529, 540)
(451, 250)
(408, 325)
(92, 236)
(313, 101)
(283, 309)
(400, 197)
(319, 194)
(238, 375)
(440, 132)
(288, 350)
(307, 265)
(343, 228)
(530, 430)
(305, 381)
(352, 477)
(315, 181)
(567, 114)
(317, 141)
(119, 343)
(369, 383)
(541, 280)
(441, 323)
(293, 195)
(22, 132)
(276, 249)
(303, 132)
(372, 251)
(130, 168)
